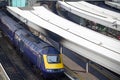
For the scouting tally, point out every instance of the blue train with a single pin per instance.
(44, 56)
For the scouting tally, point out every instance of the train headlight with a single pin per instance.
(61, 70)
(49, 70)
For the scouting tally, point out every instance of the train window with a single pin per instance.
(21, 46)
(53, 59)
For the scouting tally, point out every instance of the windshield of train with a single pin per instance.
(53, 59)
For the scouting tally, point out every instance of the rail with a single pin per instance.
(3, 74)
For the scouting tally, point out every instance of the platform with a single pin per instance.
(113, 4)
(77, 70)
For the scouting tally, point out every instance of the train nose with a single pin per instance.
(55, 70)
(50, 74)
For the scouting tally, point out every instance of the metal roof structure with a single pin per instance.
(113, 4)
(93, 13)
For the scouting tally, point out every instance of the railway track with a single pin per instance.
(11, 69)
(14, 65)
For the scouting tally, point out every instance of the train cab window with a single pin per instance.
(53, 59)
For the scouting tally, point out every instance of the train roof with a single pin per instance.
(31, 40)
(11, 24)
(36, 43)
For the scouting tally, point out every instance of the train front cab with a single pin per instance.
(53, 65)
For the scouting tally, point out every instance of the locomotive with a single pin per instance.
(41, 54)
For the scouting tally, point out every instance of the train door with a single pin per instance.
(39, 60)
(16, 39)
(21, 45)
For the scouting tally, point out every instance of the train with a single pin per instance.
(41, 54)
